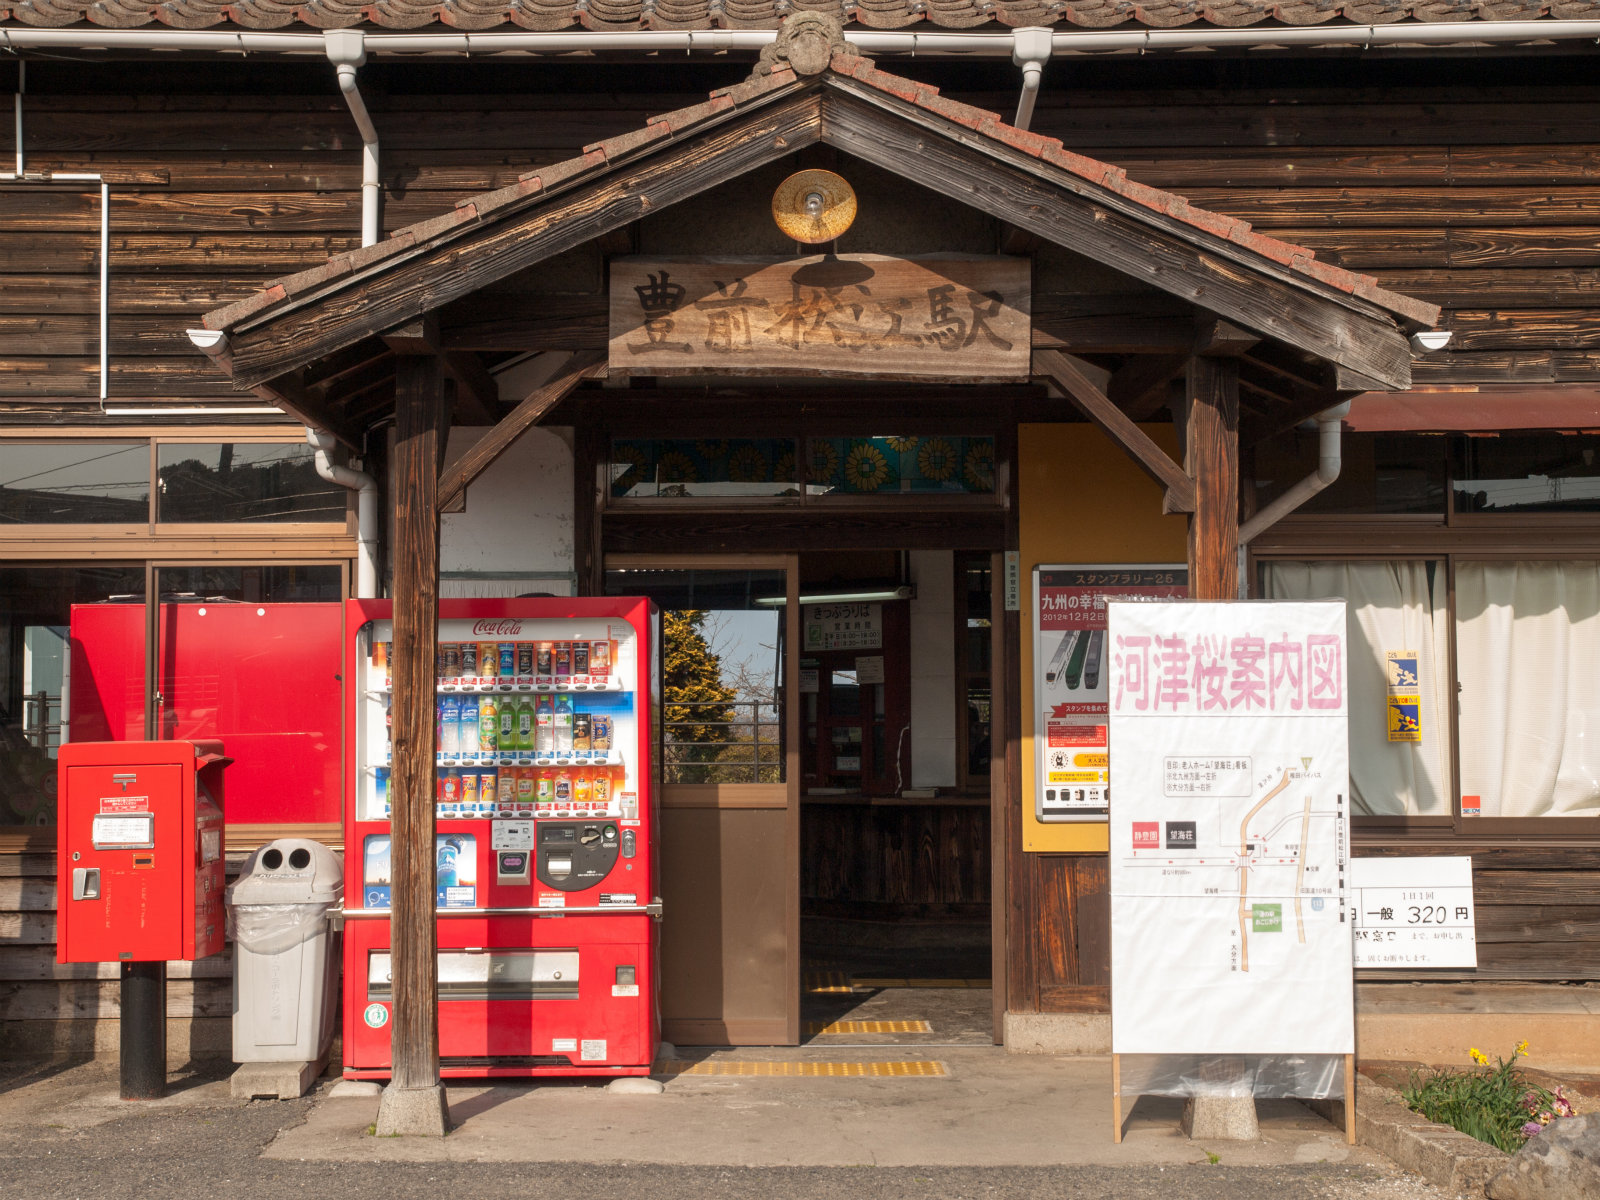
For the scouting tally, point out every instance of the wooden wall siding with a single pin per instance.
(913, 858)
(213, 195)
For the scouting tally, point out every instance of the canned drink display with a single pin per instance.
(469, 787)
(508, 659)
(581, 726)
(600, 733)
(450, 785)
(488, 660)
(563, 657)
(468, 662)
(602, 786)
(563, 786)
(526, 782)
(580, 658)
(525, 724)
(582, 787)
(546, 790)
(600, 657)
(544, 659)
(488, 725)
(450, 660)
(525, 659)
(505, 788)
(488, 779)
(508, 724)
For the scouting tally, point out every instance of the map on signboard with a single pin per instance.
(1231, 928)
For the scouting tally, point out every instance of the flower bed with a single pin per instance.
(1497, 1104)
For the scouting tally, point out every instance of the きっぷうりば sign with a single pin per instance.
(848, 315)
(1230, 919)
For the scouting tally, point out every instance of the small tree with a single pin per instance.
(696, 703)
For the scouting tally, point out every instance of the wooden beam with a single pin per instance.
(1216, 338)
(1148, 246)
(1212, 460)
(1116, 425)
(1140, 387)
(421, 425)
(586, 364)
(420, 336)
(428, 276)
(477, 393)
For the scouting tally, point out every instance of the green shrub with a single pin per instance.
(1491, 1104)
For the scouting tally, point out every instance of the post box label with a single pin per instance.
(376, 1015)
(118, 831)
(592, 1050)
(124, 804)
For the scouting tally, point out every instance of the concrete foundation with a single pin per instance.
(275, 1080)
(1058, 1033)
(413, 1112)
(1220, 1119)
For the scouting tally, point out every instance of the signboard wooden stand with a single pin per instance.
(1229, 846)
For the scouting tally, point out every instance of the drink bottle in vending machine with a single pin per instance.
(544, 807)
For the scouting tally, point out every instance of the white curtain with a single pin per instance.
(1528, 660)
(1390, 606)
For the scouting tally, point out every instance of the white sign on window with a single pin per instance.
(1414, 912)
(843, 627)
(1230, 930)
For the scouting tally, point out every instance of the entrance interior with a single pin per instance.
(895, 834)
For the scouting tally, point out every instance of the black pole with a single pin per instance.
(144, 1030)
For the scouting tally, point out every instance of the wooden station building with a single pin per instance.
(1095, 332)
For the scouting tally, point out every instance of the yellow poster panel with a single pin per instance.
(1404, 715)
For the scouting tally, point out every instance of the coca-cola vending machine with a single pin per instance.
(545, 846)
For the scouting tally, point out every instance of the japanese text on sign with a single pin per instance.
(1214, 673)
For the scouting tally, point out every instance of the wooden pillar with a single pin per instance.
(414, 1100)
(1211, 459)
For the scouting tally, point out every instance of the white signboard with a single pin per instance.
(1230, 932)
(1413, 912)
(843, 627)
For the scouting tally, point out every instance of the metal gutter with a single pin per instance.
(346, 50)
(722, 41)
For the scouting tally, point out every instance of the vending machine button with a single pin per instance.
(627, 976)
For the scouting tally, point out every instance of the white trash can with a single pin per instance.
(284, 966)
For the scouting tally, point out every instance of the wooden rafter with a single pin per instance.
(1097, 406)
(586, 364)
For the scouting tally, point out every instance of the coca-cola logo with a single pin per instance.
(503, 628)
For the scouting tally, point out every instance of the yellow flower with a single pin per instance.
(979, 468)
(676, 467)
(824, 460)
(1479, 1057)
(866, 469)
(1522, 1048)
(748, 464)
(937, 459)
(901, 444)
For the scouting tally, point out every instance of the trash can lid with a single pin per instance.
(289, 871)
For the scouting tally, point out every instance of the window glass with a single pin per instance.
(1546, 472)
(244, 481)
(1393, 609)
(1378, 473)
(51, 686)
(252, 585)
(722, 467)
(75, 482)
(875, 466)
(1528, 663)
(722, 671)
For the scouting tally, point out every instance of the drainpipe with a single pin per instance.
(366, 489)
(1328, 462)
(1030, 50)
(346, 50)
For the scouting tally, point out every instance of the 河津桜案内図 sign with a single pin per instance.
(1230, 927)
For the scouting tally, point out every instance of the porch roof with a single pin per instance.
(1218, 264)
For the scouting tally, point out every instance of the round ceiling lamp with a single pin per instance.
(814, 206)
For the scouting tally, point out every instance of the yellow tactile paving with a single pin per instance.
(823, 1027)
(824, 982)
(919, 983)
(804, 1070)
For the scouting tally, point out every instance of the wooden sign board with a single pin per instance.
(952, 317)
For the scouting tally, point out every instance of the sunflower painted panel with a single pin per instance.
(914, 465)
(737, 468)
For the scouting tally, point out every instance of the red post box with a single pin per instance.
(140, 872)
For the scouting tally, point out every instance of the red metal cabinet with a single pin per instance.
(140, 844)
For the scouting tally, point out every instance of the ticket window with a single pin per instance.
(856, 714)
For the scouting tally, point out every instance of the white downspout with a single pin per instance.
(346, 49)
(1328, 464)
(366, 489)
(1030, 50)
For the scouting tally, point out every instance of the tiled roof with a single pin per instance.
(761, 14)
(536, 185)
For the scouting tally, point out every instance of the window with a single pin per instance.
(832, 468)
(1528, 661)
(62, 483)
(1399, 607)
(1378, 473)
(1527, 473)
(243, 481)
(974, 642)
